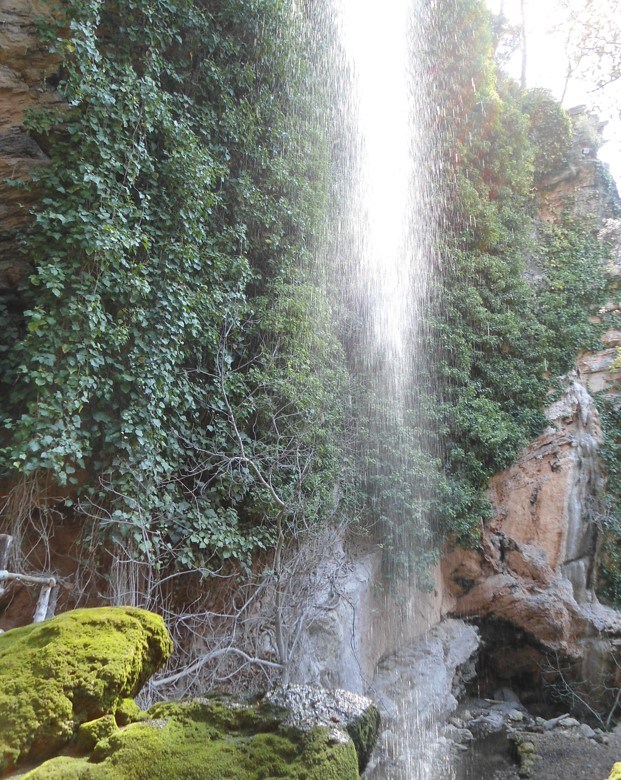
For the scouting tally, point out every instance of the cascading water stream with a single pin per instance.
(387, 252)
(376, 47)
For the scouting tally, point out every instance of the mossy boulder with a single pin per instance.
(615, 773)
(69, 670)
(310, 706)
(223, 739)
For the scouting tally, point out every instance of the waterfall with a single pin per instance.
(385, 251)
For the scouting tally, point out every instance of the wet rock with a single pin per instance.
(460, 736)
(414, 690)
(487, 724)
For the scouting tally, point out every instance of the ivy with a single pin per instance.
(177, 191)
(178, 369)
(609, 557)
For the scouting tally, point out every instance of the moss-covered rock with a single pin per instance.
(525, 753)
(71, 669)
(93, 732)
(615, 773)
(308, 706)
(212, 740)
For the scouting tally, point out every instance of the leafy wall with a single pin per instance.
(179, 372)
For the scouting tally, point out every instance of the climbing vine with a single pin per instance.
(151, 375)
(517, 295)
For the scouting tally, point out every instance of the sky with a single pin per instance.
(546, 67)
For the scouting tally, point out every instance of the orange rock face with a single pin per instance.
(544, 499)
(535, 570)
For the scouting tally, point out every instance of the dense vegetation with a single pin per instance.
(174, 361)
(516, 293)
(179, 372)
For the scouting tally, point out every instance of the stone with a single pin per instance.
(460, 736)
(490, 723)
(71, 669)
(587, 731)
(552, 723)
(516, 716)
(210, 739)
(310, 707)
(569, 723)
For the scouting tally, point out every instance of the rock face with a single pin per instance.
(583, 185)
(416, 688)
(536, 567)
(600, 371)
(377, 640)
(427, 668)
(28, 73)
(76, 667)
(358, 620)
(530, 587)
(544, 500)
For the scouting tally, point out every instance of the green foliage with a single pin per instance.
(550, 133)
(179, 186)
(516, 295)
(177, 369)
(573, 287)
(609, 574)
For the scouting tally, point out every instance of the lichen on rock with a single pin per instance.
(309, 707)
(71, 669)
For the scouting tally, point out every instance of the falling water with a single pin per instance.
(386, 252)
(383, 172)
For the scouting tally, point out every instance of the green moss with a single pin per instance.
(74, 668)
(615, 773)
(210, 740)
(127, 711)
(526, 754)
(89, 734)
(363, 733)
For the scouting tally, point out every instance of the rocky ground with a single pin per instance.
(494, 739)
